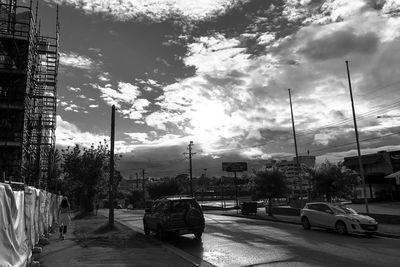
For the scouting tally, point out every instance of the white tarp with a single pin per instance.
(13, 241)
(36, 217)
(30, 208)
(24, 217)
(42, 209)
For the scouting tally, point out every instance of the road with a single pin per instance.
(234, 241)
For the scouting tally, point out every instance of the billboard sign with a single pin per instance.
(234, 166)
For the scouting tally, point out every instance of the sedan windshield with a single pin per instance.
(343, 210)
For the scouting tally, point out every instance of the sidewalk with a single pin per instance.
(88, 244)
(385, 230)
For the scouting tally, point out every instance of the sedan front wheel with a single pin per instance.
(306, 223)
(341, 228)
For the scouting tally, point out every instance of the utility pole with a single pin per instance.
(137, 181)
(143, 188)
(111, 185)
(190, 167)
(358, 142)
(236, 194)
(202, 184)
(297, 154)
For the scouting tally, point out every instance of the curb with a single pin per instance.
(387, 235)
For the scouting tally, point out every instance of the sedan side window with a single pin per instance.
(312, 207)
(326, 209)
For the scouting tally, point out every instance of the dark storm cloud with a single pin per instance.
(339, 44)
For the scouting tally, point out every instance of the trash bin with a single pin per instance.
(249, 207)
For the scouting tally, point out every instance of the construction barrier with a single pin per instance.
(25, 216)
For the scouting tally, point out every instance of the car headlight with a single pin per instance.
(353, 220)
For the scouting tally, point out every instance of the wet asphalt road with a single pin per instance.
(234, 241)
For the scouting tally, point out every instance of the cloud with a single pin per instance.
(152, 9)
(69, 134)
(137, 110)
(235, 96)
(339, 44)
(139, 137)
(93, 106)
(73, 89)
(72, 107)
(391, 7)
(125, 93)
(76, 61)
(105, 77)
(235, 101)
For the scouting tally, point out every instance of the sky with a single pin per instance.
(217, 72)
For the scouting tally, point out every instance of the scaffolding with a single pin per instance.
(28, 93)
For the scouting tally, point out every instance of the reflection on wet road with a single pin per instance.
(232, 241)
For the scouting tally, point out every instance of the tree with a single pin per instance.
(86, 173)
(55, 171)
(165, 188)
(270, 184)
(184, 183)
(333, 181)
(135, 198)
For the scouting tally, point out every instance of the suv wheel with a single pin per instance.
(193, 217)
(146, 229)
(306, 223)
(161, 234)
(198, 233)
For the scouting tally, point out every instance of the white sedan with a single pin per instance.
(336, 216)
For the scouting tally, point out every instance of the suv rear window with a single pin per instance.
(182, 205)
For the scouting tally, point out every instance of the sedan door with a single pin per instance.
(326, 216)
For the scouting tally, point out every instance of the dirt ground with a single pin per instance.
(94, 231)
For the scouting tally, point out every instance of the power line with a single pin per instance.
(378, 90)
(365, 115)
(352, 143)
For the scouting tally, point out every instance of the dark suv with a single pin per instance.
(175, 214)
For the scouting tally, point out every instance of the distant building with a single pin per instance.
(376, 167)
(292, 172)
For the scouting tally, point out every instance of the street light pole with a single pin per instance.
(297, 155)
(358, 142)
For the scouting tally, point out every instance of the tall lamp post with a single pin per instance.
(297, 154)
(357, 140)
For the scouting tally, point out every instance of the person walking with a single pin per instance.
(64, 217)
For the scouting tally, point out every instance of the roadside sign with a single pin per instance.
(234, 166)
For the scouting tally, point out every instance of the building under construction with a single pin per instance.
(28, 92)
